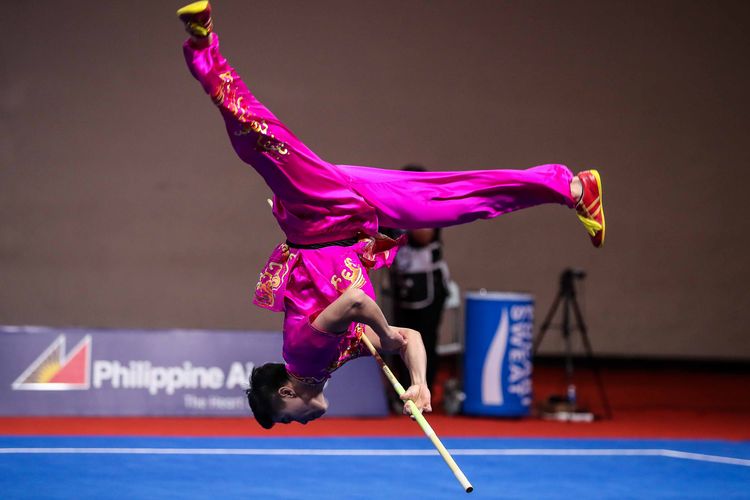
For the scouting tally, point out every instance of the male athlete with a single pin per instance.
(330, 215)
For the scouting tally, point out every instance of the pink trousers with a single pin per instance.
(317, 201)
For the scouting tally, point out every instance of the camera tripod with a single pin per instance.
(567, 296)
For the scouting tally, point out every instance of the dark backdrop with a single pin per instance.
(122, 204)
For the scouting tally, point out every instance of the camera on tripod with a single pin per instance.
(566, 407)
(575, 273)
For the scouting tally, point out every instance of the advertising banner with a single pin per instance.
(498, 368)
(76, 371)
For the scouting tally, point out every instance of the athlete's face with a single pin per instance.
(301, 409)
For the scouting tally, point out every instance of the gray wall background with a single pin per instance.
(122, 204)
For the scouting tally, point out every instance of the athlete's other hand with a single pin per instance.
(395, 341)
(420, 394)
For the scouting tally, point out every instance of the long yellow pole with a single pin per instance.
(420, 419)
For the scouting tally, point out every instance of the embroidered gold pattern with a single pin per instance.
(352, 273)
(309, 380)
(351, 348)
(270, 144)
(225, 95)
(271, 279)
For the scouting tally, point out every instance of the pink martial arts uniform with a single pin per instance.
(316, 202)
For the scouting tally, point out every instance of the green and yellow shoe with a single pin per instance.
(590, 208)
(197, 19)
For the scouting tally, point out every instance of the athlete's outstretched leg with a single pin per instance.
(400, 199)
(313, 202)
(252, 128)
(257, 135)
(412, 200)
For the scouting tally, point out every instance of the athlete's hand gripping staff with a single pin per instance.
(420, 419)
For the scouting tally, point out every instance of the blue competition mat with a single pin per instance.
(369, 468)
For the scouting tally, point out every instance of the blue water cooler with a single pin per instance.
(497, 356)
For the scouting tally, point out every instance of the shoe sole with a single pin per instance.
(598, 178)
(193, 8)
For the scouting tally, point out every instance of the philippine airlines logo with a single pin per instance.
(54, 371)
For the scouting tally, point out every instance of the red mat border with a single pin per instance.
(626, 424)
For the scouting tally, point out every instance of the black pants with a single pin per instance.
(426, 321)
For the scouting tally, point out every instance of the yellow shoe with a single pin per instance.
(197, 19)
(590, 208)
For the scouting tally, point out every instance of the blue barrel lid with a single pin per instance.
(485, 295)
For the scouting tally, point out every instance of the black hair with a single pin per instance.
(414, 167)
(263, 393)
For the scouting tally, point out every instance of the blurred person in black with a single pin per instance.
(419, 288)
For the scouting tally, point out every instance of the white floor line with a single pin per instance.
(591, 452)
(706, 458)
